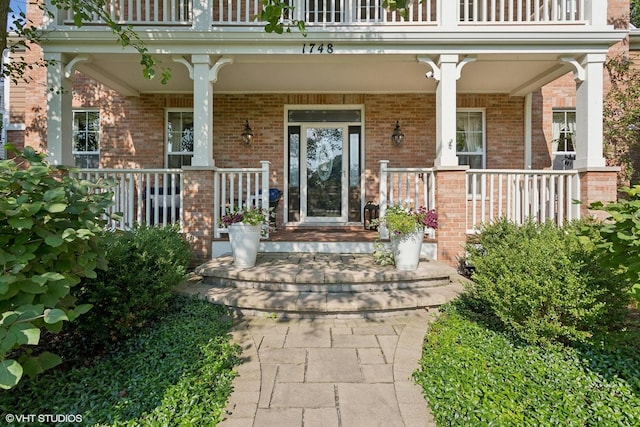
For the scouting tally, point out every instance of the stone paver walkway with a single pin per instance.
(329, 372)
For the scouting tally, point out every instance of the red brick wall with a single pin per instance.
(597, 186)
(198, 212)
(451, 196)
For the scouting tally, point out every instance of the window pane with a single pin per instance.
(469, 132)
(80, 121)
(87, 161)
(324, 116)
(92, 142)
(294, 173)
(474, 162)
(179, 138)
(93, 121)
(564, 124)
(80, 142)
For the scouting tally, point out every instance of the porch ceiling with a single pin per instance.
(324, 73)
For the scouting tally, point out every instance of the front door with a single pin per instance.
(324, 186)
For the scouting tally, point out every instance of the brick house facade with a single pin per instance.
(517, 113)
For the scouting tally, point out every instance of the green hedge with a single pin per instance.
(542, 282)
(144, 266)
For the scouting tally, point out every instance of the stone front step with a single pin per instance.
(310, 285)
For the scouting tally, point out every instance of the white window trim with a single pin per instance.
(556, 133)
(165, 143)
(483, 153)
(75, 152)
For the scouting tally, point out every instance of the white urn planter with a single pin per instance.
(245, 240)
(406, 250)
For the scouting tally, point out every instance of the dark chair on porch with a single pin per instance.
(275, 195)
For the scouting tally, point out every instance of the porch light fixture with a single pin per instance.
(247, 133)
(397, 137)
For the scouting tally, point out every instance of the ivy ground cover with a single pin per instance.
(474, 375)
(177, 373)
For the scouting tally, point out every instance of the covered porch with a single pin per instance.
(321, 119)
(463, 198)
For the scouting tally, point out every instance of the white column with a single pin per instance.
(589, 100)
(528, 107)
(448, 14)
(59, 114)
(202, 112)
(446, 112)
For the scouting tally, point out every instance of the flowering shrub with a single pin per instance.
(247, 215)
(401, 220)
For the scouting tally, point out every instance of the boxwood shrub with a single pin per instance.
(542, 282)
(144, 266)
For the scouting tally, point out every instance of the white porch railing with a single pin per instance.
(521, 11)
(203, 14)
(234, 188)
(521, 195)
(406, 186)
(322, 12)
(142, 196)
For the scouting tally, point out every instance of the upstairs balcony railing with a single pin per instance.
(439, 14)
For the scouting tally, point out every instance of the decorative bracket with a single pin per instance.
(578, 69)
(184, 62)
(68, 69)
(435, 73)
(461, 64)
(213, 72)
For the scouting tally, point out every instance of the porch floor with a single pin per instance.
(288, 285)
(323, 234)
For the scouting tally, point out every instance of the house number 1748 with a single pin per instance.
(317, 48)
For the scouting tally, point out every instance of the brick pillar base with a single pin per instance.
(597, 185)
(451, 199)
(198, 211)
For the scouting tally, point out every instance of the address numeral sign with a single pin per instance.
(317, 48)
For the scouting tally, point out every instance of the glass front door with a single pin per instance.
(324, 195)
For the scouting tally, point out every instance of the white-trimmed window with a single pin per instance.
(563, 147)
(470, 137)
(86, 138)
(179, 146)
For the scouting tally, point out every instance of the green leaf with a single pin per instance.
(29, 311)
(54, 315)
(57, 207)
(32, 286)
(54, 241)
(37, 365)
(20, 223)
(10, 373)
(24, 333)
(54, 194)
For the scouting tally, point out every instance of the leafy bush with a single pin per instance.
(542, 282)
(619, 239)
(177, 373)
(145, 264)
(474, 376)
(49, 226)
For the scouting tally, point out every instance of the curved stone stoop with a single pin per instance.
(315, 285)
